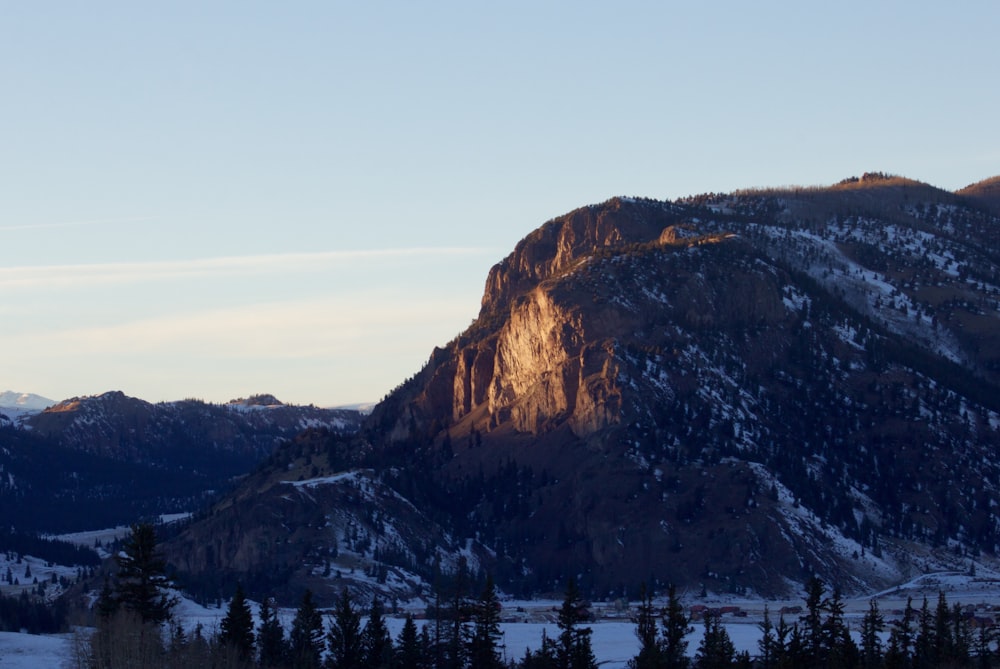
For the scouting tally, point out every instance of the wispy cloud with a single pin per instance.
(167, 270)
(328, 327)
(74, 224)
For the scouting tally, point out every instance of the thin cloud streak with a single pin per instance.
(167, 270)
(310, 328)
(73, 224)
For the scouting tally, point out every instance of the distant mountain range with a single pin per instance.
(14, 404)
(87, 462)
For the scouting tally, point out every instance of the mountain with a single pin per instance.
(25, 401)
(109, 459)
(127, 428)
(13, 405)
(730, 391)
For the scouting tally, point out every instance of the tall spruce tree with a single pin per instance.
(484, 652)
(271, 643)
(142, 582)
(871, 643)
(839, 648)
(344, 638)
(716, 650)
(646, 630)
(767, 642)
(409, 652)
(574, 647)
(305, 639)
(676, 627)
(812, 621)
(376, 643)
(236, 629)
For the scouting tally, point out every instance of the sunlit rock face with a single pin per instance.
(546, 369)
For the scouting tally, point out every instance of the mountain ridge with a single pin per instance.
(729, 391)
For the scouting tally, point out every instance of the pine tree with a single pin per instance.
(376, 643)
(984, 646)
(813, 622)
(871, 645)
(237, 626)
(782, 642)
(767, 642)
(839, 647)
(107, 604)
(483, 645)
(716, 650)
(344, 638)
(961, 637)
(646, 631)
(574, 648)
(676, 627)
(923, 646)
(409, 652)
(944, 645)
(305, 640)
(270, 636)
(142, 582)
(546, 657)
(899, 652)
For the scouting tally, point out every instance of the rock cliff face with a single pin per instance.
(538, 357)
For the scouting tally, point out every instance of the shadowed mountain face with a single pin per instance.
(91, 462)
(736, 391)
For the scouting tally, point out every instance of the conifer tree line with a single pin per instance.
(134, 616)
(938, 637)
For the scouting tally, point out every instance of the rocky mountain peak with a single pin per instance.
(559, 243)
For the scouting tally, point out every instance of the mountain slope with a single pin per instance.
(109, 459)
(736, 391)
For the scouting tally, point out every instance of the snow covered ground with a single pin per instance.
(30, 651)
(613, 635)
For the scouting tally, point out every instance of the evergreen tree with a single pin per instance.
(782, 642)
(574, 650)
(984, 646)
(923, 645)
(142, 583)
(376, 643)
(484, 643)
(409, 652)
(305, 639)
(344, 639)
(814, 633)
(107, 604)
(646, 631)
(237, 626)
(546, 657)
(716, 650)
(767, 643)
(961, 637)
(270, 637)
(839, 648)
(871, 645)
(455, 647)
(676, 627)
(899, 653)
(943, 646)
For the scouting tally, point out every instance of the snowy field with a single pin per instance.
(613, 636)
(29, 651)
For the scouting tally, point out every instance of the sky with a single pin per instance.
(217, 199)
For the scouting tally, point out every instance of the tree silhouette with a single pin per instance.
(142, 583)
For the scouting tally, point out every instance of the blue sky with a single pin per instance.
(213, 199)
